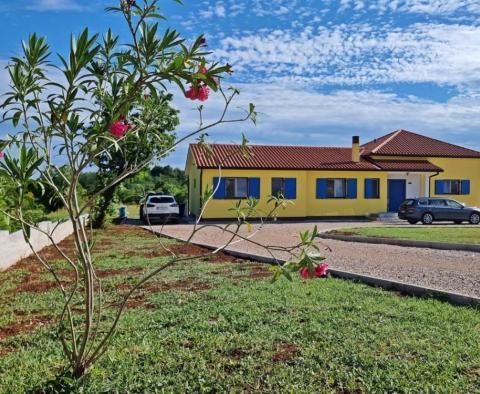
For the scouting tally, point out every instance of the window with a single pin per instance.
(336, 188)
(437, 202)
(278, 187)
(451, 187)
(423, 202)
(287, 187)
(454, 204)
(161, 200)
(236, 187)
(233, 188)
(372, 188)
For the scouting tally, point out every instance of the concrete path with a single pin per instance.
(441, 269)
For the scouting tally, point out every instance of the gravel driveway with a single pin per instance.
(442, 269)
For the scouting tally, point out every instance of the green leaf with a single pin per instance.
(16, 118)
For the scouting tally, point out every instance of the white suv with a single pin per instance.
(159, 207)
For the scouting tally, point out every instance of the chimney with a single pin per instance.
(356, 148)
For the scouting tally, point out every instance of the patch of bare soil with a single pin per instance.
(139, 299)
(126, 229)
(32, 286)
(285, 352)
(255, 272)
(6, 350)
(148, 254)
(133, 303)
(105, 273)
(183, 249)
(236, 354)
(187, 285)
(23, 325)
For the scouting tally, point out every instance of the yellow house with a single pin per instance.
(334, 182)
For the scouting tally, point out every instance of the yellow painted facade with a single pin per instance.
(306, 203)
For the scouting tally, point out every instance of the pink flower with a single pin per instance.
(202, 70)
(2, 155)
(320, 271)
(192, 93)
(304, 273)
(201, 93)
(118, 129)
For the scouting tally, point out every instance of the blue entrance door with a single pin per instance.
(397, 191)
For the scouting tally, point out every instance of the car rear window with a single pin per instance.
(423, 202)
(408, 202)
(161, 200)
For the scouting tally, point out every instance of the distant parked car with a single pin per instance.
(159, 207)
(429, 210)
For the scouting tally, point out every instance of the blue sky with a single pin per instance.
(318, 71)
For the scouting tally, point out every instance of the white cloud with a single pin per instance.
(360, 54)
(430, 7)
(56, 5)
(218, 10)
(263, 8)
(439, 7)
(4, 77)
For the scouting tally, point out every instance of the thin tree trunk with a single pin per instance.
(101, 213)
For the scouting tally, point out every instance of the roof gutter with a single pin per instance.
(430, 183)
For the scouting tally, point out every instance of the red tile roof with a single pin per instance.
(280, 157)
(406, 143)
(407, 165)
(398, 143)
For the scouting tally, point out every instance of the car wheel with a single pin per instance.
(413, 221)
(474, 218)
(427, 218)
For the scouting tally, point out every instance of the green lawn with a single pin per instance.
(221, 326)
(462, 235)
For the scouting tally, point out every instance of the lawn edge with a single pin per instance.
(386, 284)
(401, 242)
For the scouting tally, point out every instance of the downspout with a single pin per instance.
(200, 202)
(430, 183)
(187, 209)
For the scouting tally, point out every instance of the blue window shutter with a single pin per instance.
(291, 188)
(438, 187)
(321, 188)
(465, 188)
(351, 188)
(368, 188)
(254, 187)
(220, 193)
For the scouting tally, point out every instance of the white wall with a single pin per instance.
(13, 247)
(413, 183)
